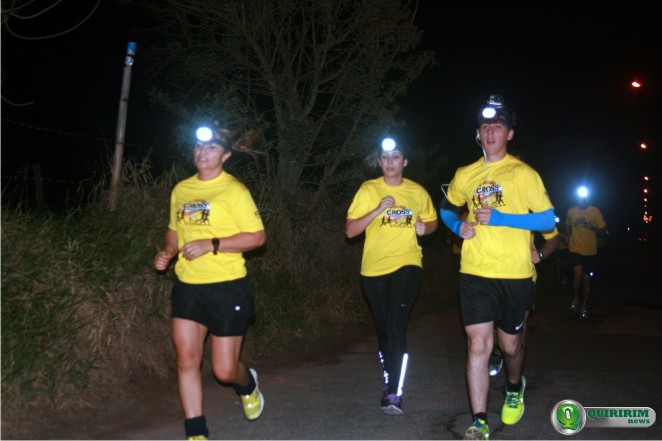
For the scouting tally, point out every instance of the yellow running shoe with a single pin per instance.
(478, 430)
(253, 403)
(513, 405)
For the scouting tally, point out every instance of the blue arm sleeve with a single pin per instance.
(543, 221)
(452, 220)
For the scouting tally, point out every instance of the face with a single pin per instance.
(392, 163)
(495, 137)
(209, 156)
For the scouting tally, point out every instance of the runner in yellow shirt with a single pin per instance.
(583, 223)
(393, 211)
(213, 220)
(506, 200)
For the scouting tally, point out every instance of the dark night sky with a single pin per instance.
(564, 69)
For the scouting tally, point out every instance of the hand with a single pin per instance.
(162, 260)
(386, 202)
(468, 230)
(196, 248)
(420, 227)
(483, 214)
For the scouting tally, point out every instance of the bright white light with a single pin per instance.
(557, 219)
(489, 112)
(388, 144)
(204, 134)
(582, 192)
(636, 84)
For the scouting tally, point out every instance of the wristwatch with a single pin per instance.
(216, 242)
(540, 253)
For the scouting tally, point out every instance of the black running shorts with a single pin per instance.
(502, 301)
(225, 308)
(589, 263)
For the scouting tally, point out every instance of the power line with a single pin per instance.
(68, 133)
(34, 178)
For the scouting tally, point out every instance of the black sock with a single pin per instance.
(513, 387)
(196, 426)
(481, 415)
(248, 388)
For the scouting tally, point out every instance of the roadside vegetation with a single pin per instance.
(83, 308)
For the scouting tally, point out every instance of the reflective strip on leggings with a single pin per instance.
(403, 372)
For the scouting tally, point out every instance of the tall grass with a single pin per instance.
(80, 307)
(83, 311)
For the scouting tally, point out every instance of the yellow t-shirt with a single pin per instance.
(510, 186)
(220, 207)
(390, 239)
(582, 240)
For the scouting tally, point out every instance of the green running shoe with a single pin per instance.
(253, 403)
(513, 405)
(478, 430)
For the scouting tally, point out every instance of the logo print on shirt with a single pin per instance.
(488, 193)
(398, 217)
(195, 212)
(582, 222)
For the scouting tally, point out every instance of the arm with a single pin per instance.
(599, 231)
(164, 256)
(354, 227)
(452, 220)
(542, 221)
(546, 250)
(240, 242)
(237, 243)
(450, 215)
(550, 246)
(423, 228)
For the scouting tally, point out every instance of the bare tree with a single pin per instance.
(318, 78)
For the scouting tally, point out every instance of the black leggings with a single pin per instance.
(391, 297)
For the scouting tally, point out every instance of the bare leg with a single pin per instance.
(225, 360)
(513, 349)
(189, 338)
(480, 339)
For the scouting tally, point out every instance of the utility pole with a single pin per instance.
(121, 124)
